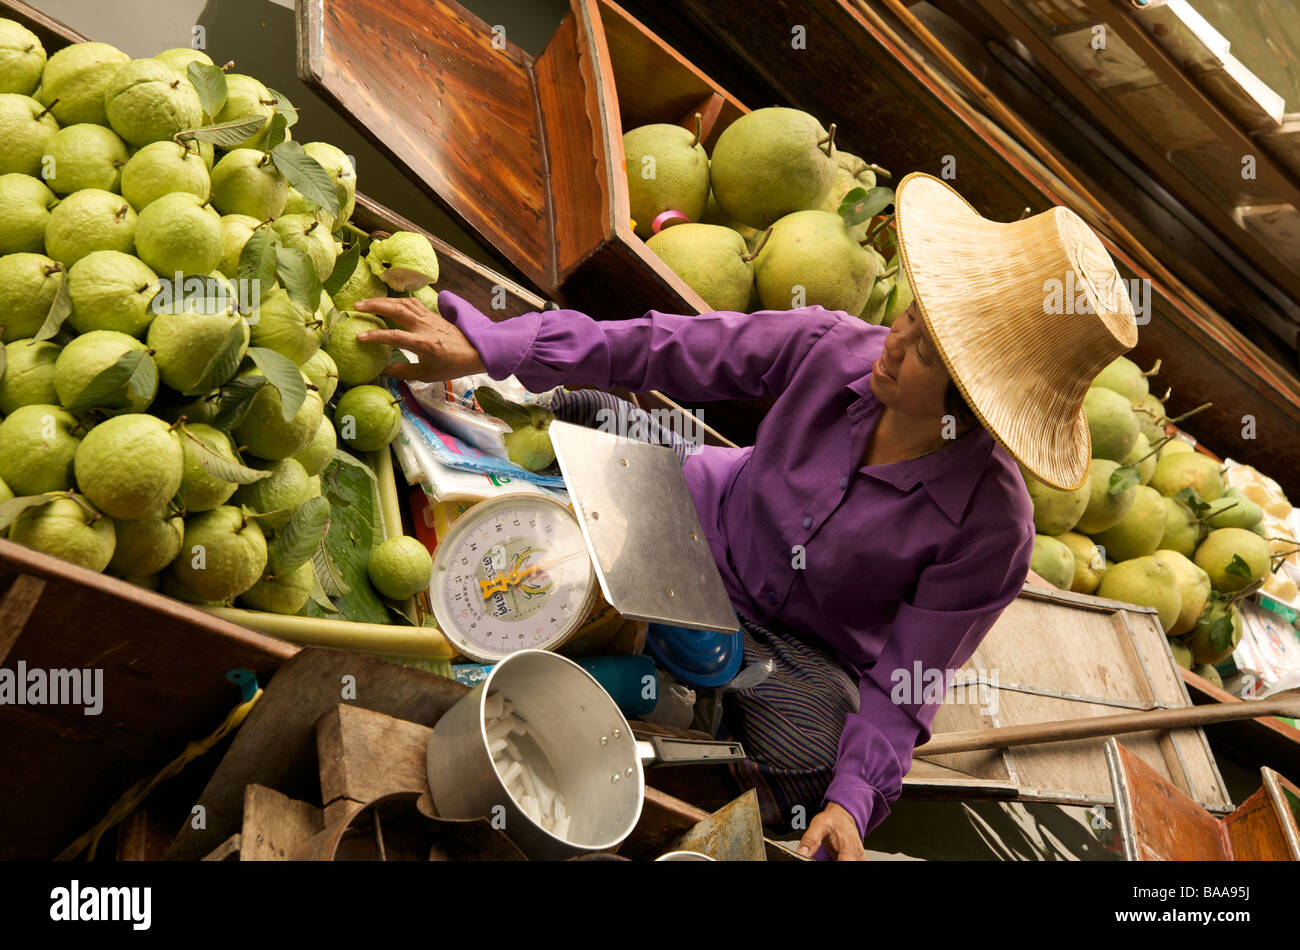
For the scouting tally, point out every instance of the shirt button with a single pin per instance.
(844, 482)
(807, 521)
(771, 597)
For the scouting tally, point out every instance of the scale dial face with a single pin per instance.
(513, 573)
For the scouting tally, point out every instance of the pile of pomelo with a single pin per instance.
(176, 283)
(1155, 524)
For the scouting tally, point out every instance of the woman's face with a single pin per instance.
(909, 377)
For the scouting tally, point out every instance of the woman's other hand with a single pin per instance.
(835, 829)
(444, 352)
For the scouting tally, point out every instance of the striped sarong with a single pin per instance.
(789, 724)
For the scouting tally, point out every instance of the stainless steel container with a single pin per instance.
(576, 727)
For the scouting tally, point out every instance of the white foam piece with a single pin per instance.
(512, 772)
(512, 750)
(529, 804)
(561, 812)
(493, 706)
(496, 748)
(500, 728)
(561, 827)
(530, 781)
(546, 797)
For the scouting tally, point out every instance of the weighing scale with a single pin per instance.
(522, 571)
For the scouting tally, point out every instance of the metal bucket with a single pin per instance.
(595, 761)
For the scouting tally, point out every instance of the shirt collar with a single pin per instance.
(948, 476)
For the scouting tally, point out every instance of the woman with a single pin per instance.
(879, 525)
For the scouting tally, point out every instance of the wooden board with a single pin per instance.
(366, 755)
(1058, 655)
(276, 744)
(274, 825)
(1250, 742)
(164, 684)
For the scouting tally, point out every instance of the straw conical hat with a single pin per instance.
(1003, 306)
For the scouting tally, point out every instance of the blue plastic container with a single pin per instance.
(696, 657)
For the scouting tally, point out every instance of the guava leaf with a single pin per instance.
(346, 458)
(284, 107)
(306, 174)
(344, 267)
(210, 83)
(226, 134)
(14, 507)
(297, 275)
(223, 362)
(257, 260)
(60, 310)
(1239, 567)
(861, 204)
(144, 381)
(295, 544)
(1192, 501)
(220, 467)
(1221, 632)
(281, 373)
(235, 399)
(1122, 479)
(277, 133)
(108, 381)
(319, 596)
(327, 572)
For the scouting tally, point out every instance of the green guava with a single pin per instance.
(89, 355)
(185, 343)
(89, 220)
(161, 168)
(357, 362)
(285, 594)
(28, 284)
(280, 324)
(288, 487)
(22, 59)
(76, 79)
(245, 181)
(149, 101)
(130, 466)
(323, 373)
(146, 545)
(315, 458)
(343, 173)
(29, 374)
(405, 261)
(180, 58)
(264, 431)
(236, 229)
(368, 418)
(67, 528)
(222, 554)
(25, 205)
(400, 567)
(6, 492)
(26, 128)
(362, 285)
(246, 97)
(83, 156)
(1220, 550)
(201, 490)
(308, 235)
(37, 448)
(180, 233)
(112, 291)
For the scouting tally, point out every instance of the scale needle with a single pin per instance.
(503, 582)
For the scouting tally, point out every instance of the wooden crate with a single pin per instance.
(1056, 655)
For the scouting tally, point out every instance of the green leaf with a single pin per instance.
(297, 275)
(144, 381)
(210, 83)
(60, 310)
(306, 174)
(284, 375)
(1192, 501)
(861, 204)
(235, 399)
(1238, 567)
(220, 467)
(319, 597)
(226, 134)
(1221, 632)
(284, 107)
(344, 267)
(346, 458)
(1122, 479)
(277, 132)
(257, 259)
(223, 363)
(300, 538)
(327, 572)
(108, 381)
(11, 509)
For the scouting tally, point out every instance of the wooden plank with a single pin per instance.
(1252, 742)
(366, 755)
(16, 607)
(275, 825)
(164, 684)
(1255, 830)
(1163, 823)
(732, 833)
(275, 745)
(228, 850)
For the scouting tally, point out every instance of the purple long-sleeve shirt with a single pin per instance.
(888, 565)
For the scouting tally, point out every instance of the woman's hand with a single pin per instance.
(834, 828)
(444, 352)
